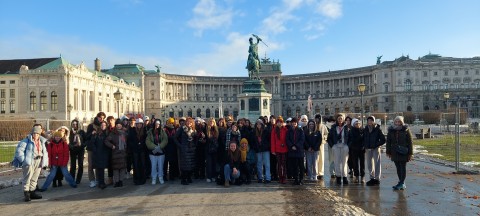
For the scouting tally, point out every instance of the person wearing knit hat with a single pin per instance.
(136, 154)
(245, 174)
(339, 139)
(357, 152)
(400, 149)
(116, 141)
(373, 138)
(171, 121)
(58, 153)
(32, 160)
(279, 148)
(303, 121)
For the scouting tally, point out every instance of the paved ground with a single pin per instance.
(432, 190)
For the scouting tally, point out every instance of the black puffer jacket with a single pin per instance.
(373, 139)
(187, 145)
(357, 139)
(401, 137)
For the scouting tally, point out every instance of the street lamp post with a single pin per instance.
(361, 88)
(69, 109)
(118, 96)
(446, 96)
(385, 128)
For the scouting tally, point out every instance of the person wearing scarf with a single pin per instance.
(117, 141)
(186, 141)
(244, 166)
(339, 139)
(170, 166)
(296, 151)
(399, 135)
(156, 142)
(101, 153)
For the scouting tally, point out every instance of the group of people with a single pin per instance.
(222, 151)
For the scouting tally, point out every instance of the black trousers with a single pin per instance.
(297, 168)
(273, 166)
(77, 156)
(139, 176)
(245, 173)
(358, 162)
(401, 170)
(170, 165)
(199, 170)
(100, 175)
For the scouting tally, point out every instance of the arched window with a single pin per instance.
(426, 108)
(199, 113)
(2, 106)
(33, 101)
(235, 113)
(43, 101)
(180, 112)
(289, 111)
(409, 108)
(225, 112)
(217, 115)
(53, 101)
(207, 113)
(12, 106)
(190, 113)
(171, 113)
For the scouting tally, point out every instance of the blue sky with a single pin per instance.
(208, 37)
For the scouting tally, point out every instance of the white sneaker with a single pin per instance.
(208, 180)
(93, 184)
(154, 181)
(161, 180)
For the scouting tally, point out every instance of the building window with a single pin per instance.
(385, 75)
(33, 101)
(83, 97)
(386, 88)
(386, 99)
(466, 72)
(2, 82)
(2, 106)
(2, 93)
(54, 101)
(12, 81)
(435, 73)
(12, 106)
(408, 85)
(425, 74)
(408, 73)
(445, 73)
(152, 83)
(477, 72)
(92, 101)
(75, 99)
(43, 101)
(456, 72)
(100, 105)
(12, 93)
(199, 113)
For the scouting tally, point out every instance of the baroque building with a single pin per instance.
(53, 88)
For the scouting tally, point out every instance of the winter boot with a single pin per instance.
(27, 196)
(34, 195)
(339, 180)
(345, 181)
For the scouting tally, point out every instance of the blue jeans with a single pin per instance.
(229, 173)
(263, 159)
(53, 172)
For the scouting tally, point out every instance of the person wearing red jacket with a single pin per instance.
(279, 148)
(58, 155)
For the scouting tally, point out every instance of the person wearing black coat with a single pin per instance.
(400, 149)
(296, 151)
(339, 139)
(137, 148)
(170, 166)
(186, 141)
(100, 153)
(77, 146)
(313, 140)
(357, 152)
(373, 138)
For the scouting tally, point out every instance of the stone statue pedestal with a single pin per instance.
(254, 101)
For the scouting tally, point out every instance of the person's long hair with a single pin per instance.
(212, 131)
(259, 132)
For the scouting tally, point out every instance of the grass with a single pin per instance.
(6, 153)
(445, 146)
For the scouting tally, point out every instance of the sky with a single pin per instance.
(210, 37)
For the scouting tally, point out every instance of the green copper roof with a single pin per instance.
(126, 68)
(55, 64)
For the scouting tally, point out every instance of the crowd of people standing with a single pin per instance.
(216, 150)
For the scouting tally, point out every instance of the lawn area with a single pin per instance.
(6, 153)
(445, 145)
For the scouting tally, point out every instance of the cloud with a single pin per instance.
(208, 15)
(317, 11)
(330, 8)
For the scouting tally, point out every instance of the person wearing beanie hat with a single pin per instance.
(373, 138)
(357, 152)
(171, 121)
(116, 141)
(186, 142)
(279, 149)
(136, 155)
(78, 154)
(400, 149)
(296, 146)
(303, 121)
(170, 164)
(261, 145)
(32, 160)
(313, 139)
(245, 174)
(58, 153)
(339, 139)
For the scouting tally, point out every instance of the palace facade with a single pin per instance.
(52, 88)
